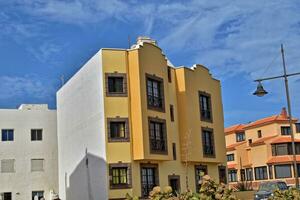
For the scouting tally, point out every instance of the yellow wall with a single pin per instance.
(185, 83)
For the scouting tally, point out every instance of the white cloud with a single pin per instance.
(28, 85)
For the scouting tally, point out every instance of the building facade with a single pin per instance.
(129, 120)
(28, 153)
(262, 150)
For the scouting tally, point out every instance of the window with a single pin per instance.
(8, 166)
(38, 194)
(297, 127)
(205, 107)
(158, 135)
(285, 130)
(270, 171)
(250, 141)
(174, 151)
(230, 157)
(283, 171)
(7, 135)
(149, 178)
(116, 84)
(169, 75)
(298, 168)
(240, 137)
(243, 174)
(208, 142)
(200, 171)
(261, 173)
(249, 174)
(118, 130)
(155, 94)
(284, 149)
(120, 175)
(36, 134)
(6, 196)
(37, 165)
(232, 175)
(172, 113)
(222, 174)
(259, 135)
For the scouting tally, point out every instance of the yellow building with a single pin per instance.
(261, 150)
(161, 123)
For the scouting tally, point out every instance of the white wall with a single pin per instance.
(80, 113)
(22, 182)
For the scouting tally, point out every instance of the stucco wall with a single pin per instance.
(80, 113)
(22, 182)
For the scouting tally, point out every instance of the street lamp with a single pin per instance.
(260, 91)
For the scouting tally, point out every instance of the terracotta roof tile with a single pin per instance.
(232, 166)
(282, 159)
(233, 146)
(283, 139)
(234, 128)
(261, 141)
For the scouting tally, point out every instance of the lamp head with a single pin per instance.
(260, 91)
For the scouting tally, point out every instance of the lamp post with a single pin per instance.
(260, 91)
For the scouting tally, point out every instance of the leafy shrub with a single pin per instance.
(209, 190)
(290, 194)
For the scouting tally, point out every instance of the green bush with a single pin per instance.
(209, 190)
(290, 194)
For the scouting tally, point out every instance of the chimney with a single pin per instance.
(146, 39)
(284, 113)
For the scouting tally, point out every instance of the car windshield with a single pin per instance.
(268, 186)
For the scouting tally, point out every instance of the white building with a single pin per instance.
(28, 152)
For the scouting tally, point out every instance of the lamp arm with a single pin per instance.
(276, 77)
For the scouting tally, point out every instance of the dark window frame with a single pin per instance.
(160, 98)
(297, 126)
(238, 139)
(232, 175)
(7, 138)
(259, 134)
(198, 177)
(36, 135)
(176, 177)
(126, 131)
(208, 111)
(230, 157)
(172, 114)
(222, 177)
(120, 166)
(249, 174)
(169, 75)
(174, 151)
(116, 75)
(153, 167)
(261, 173)
(7, 195)
(285, 130)
(38, 191)
(163, 139)
(212, 145)
(286, 165)
(270, 170)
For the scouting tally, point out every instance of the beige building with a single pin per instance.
(129, 120)
(28, 153)
(261, 150)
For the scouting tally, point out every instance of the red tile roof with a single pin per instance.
(282, 159)
(233, 129)
(233, 146)
(283, 139)
(261, 141)
(280, 118)
(232, 166)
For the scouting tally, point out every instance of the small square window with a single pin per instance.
(240, 137)
(120, 175)
(37, 165)
(118, 130)
(7, 135)
(37, 194)
(6, 196)
(116, 84)
(259, 135)
(36, 134)
(285, 130)
(297, 127)
(7, 166)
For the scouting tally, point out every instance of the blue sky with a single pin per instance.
(238, 41)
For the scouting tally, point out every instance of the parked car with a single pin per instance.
(266, 189)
